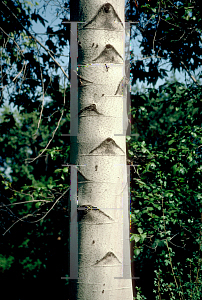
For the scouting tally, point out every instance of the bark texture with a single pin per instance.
(101, 152)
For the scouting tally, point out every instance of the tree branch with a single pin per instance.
(21, 51)
(185, 67)
(36, 40)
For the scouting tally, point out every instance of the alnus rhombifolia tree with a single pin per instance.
(99, 151)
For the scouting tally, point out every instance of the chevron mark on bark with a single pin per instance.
(92, 214)
(81, 177)
(109, 259)
(106, 18)
(107, 147)
(123, 83)
(90, 110)
(109, 55)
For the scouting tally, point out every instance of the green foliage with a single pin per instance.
(139, 295)
(170, 32)
(34, 195)
(166, 190)
(5, 263)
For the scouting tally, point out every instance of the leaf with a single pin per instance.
(5, 263)
(172, 149)
(140, 230)
(171, 142)
(58, 170)
(38, 204)
(50, 186)
(175, 169)
(66, 170)
(135, 237)
(137, 251)
(143, 237)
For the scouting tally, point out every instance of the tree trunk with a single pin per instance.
(100, 151)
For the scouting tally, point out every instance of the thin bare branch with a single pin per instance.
(152, 17)
(42, 106)
(189, 73)
(192, 77)
(24, 202)
(31, 215)
(36, 40)
(21, 51)
(20, 71)
(51, 207)
(176, 245)
(52, 134)
(159, 18)
(173, 4)
(170, 258)
(19, 219)
(147, 57)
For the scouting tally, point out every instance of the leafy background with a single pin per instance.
(164, 154)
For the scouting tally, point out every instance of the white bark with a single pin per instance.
(102, 154)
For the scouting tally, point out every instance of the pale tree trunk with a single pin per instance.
(99, 150)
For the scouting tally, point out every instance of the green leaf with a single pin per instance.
(38, 204)
(143, 237)
(172, 149)
(135, 237)
(137, 251)
(50, 186)
(171, 142)
(66, 170)
(140, 230)
(5, 263)
(58, 170)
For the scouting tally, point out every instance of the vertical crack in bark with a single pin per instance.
(108, 147)
(109, 55)
(109, 259)
(106, 18)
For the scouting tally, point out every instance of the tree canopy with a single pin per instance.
(170, 36)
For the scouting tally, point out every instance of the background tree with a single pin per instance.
(166, 151)
(34, 250)
(169, 33)
(166, 191)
